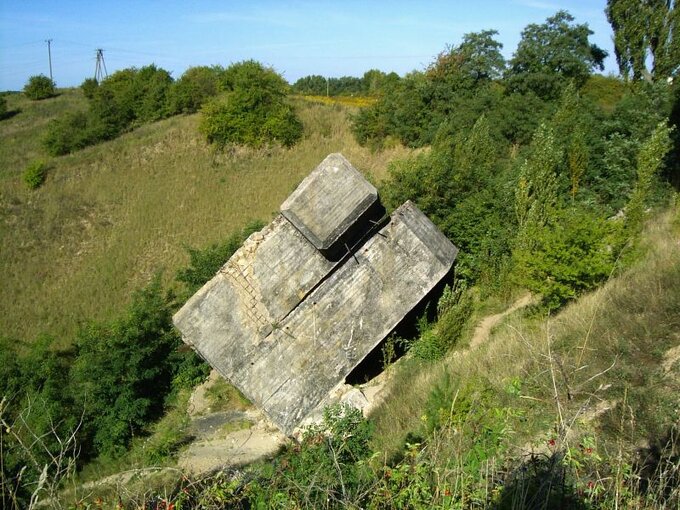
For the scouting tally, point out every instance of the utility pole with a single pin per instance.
(49, 55)
(100, 71)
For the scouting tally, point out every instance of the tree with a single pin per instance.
(642, 28)
(194, 88)
(551, 54)
(311, 85)
(536, 192)
(476, 60)
(570, 254)
(39, 87)
(89, 87)
(254, 111)
(649, 162)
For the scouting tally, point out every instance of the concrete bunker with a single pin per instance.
(307, 298)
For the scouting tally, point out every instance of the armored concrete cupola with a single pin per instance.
(307, 298)
(333, 206)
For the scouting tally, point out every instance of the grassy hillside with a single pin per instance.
(110, 216)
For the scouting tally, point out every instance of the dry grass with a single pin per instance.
(110, 216)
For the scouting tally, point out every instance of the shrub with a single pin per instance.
(123, 371)
(194, 88)
(3, 107)
(69, 133)
(35, 174)
(254, 112)
(89, 87)
(573, 253)
(39, 87)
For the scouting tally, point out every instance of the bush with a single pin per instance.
(573, 253)
(254, 112)
(123, 371)
(69, 133)
(35, 174)
(89, 87)
(39, 87)
(3, 107)
(194, 88)
(126, 98)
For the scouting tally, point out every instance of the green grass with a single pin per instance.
(112, 215)
(223, 396)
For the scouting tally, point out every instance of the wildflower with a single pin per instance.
(447, 492)
(588, 451)
(551, 442)
(591, 485)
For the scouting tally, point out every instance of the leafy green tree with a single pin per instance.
(536, 191)
(127, 98)
(551, 54)
(614, 167)
(3, 107)
(376, 82)
(150, 88)
(39, 87)
(458, 87)
(254, 111)
(39, 415)
(194, 88)
(476, 60)
(311, 85)
(646, 27)
(650, 160)
(69, 133)
(89, 87)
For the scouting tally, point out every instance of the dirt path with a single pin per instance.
(483, 329)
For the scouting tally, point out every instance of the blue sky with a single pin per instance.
(297, 38)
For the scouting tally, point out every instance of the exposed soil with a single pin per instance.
(483, 329)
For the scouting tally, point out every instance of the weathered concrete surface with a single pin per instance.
(329, 201)
(286, 365)
(260, 284)
(330, 332)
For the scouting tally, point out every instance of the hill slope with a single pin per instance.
(110, 216)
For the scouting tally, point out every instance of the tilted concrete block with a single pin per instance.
(285, 324)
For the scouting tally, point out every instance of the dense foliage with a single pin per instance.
(552, 54)
(254, 110)
(39, 87)
(527, 162)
